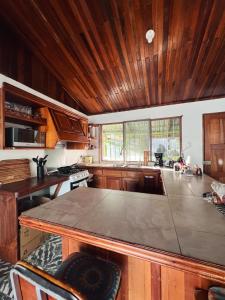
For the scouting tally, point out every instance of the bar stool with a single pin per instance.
(93, 277)
(81, 276)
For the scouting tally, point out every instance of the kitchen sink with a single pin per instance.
(127, 165)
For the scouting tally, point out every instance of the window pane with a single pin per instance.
(136, 140)
(112, 142)
(166, 138)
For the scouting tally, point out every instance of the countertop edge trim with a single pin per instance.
(183, 263)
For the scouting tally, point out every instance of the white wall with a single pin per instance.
(63, 157)
(19, 154)
(192, 133)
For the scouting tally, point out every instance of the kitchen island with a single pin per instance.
(166, 245)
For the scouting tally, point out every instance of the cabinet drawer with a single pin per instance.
(99, 182)
(112, 172)
(131, 174)
(95, 171)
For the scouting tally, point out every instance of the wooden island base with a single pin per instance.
(143, 279)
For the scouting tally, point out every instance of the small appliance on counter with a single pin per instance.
(88, 159)
(159, 159)
(169, 164)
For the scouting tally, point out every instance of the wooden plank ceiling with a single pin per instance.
(98, 51)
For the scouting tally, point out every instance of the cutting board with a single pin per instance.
(12, 170)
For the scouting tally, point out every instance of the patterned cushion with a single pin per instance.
(47, 257)
(95, 278)
(5, 287)
(4, 296)
(216, 293)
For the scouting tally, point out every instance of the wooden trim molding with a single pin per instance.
(197, 267)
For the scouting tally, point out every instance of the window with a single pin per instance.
(136, 140)
(165, 137)
(112, 142)
(127, 141)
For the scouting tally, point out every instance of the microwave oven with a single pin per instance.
(24, 137)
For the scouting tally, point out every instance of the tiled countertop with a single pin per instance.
(180, 222)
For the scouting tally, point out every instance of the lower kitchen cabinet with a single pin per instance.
(99, 182)
(114, 183)
(131, 184)
(132, 181)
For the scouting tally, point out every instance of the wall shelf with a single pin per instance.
(19, 118)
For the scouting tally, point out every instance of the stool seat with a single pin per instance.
(95, 278)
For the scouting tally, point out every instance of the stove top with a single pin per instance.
(69, 170)
(74, 172)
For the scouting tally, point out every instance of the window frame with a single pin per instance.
(124, 137)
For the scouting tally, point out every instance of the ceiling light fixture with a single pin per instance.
(150, 35)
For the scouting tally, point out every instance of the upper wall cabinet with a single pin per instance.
(20, 109)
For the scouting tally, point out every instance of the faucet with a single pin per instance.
(123, 151)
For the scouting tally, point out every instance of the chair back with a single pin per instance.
(29, 282)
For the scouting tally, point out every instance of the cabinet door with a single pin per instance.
(99, 182)
(131, 184)
(113, 183)
(150, 182)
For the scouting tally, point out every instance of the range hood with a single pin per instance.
(64, 128)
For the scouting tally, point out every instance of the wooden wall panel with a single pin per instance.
(172, 284)
(139, 279)
(19, 63)
(99, 53)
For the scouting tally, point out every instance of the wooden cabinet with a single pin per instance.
(99, 182)
(114, 183)
(22, 108)
(126, 180)
(131, 184)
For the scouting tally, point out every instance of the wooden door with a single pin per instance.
(218, 162)
(214, 135)
(131, 184)
(113, 183)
